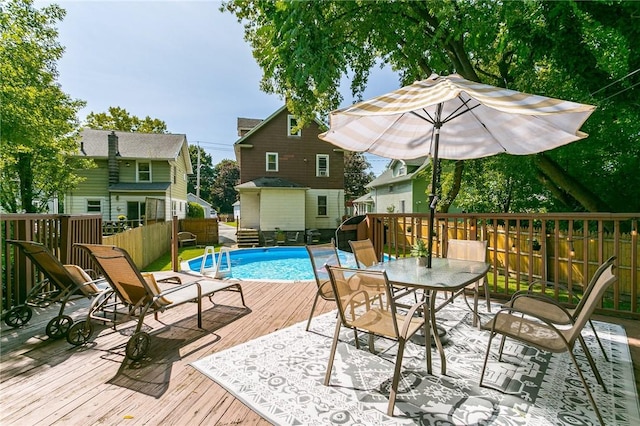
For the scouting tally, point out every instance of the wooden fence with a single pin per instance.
(144, 243)
(560, 250)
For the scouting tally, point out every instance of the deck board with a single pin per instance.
(45, 382)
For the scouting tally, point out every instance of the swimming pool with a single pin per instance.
(269, 263)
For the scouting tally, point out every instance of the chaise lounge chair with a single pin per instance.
(62, 283)
(141, 294)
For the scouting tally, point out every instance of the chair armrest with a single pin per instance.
(412, 311)
(522, 303)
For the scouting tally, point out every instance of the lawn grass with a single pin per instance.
(163, 263)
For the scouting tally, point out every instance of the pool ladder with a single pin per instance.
(216, 270)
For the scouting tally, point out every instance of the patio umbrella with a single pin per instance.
(457, 119)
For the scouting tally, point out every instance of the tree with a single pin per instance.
(582, 51)
(119, 119)
(356, 175)
(38, 119)
(224, 194)
(207, 174)
(195, 210)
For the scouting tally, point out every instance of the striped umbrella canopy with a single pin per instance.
(453, 118)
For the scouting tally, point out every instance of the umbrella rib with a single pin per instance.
(457, 113)
(428, 118)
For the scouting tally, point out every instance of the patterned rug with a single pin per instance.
(280, 377)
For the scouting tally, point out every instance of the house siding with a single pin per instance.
(335, 208)
(250, 203)
(296, 155)
(273, 216)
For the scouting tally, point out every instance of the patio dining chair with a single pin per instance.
(540, 307)
(357, 311)
(531, 329)
(62, 284)
(321, 255)
(366, 256)
(141, 294)
(470, 250)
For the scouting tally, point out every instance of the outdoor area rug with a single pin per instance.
(280, 376)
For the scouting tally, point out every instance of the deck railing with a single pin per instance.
(57, 232)
(561, 251)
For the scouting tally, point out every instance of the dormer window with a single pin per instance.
(400, 169)
(292, 124)
(144, 171)
(322, 165)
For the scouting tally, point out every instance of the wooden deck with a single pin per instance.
(45, 382)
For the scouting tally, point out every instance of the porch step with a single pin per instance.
(248, 237)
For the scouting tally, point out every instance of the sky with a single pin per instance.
(183, 62)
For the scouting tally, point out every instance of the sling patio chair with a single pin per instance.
(539, 306)
(321, 255)
(366, 256)
(62, 284)
(357, 311)
(535, 330)
(470, 250)
(141, 295)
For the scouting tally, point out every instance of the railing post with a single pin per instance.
(174, 244)
(65, 238)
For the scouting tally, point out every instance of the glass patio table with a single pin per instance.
(444, 275)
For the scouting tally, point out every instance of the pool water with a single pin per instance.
(270, 263)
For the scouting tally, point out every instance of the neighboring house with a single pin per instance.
(208, 209)
(399, 189)
(138, 175)
(363, 205)
(289, 178)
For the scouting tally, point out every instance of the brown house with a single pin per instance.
(289, 178)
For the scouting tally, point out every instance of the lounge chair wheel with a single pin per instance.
(59, 326)
(80, 333)
(138, 345)
(18, 316)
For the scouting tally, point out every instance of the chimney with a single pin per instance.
(112, 161)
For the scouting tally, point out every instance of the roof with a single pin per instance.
(194, 198)
(366, 198)
(270, 182)
(140, 187)
(387, 176)
(160, 146)
(265, 121)
(246, 124)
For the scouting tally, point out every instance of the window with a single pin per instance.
(322, 205)
(322, 165)
(402, 206)
(144, 172)
(272, 161)
(93, 206)
(292, 123)
(390, 188)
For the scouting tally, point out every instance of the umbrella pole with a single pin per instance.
(433, 198)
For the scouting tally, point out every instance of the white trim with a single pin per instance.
(266, 167)
(322, 172)
(292, 122)
(138, 163)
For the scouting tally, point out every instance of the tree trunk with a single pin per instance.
(558, 179)
(25, 175)
(449, 198)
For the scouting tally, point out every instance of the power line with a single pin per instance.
(622, 91)
(617, 81)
